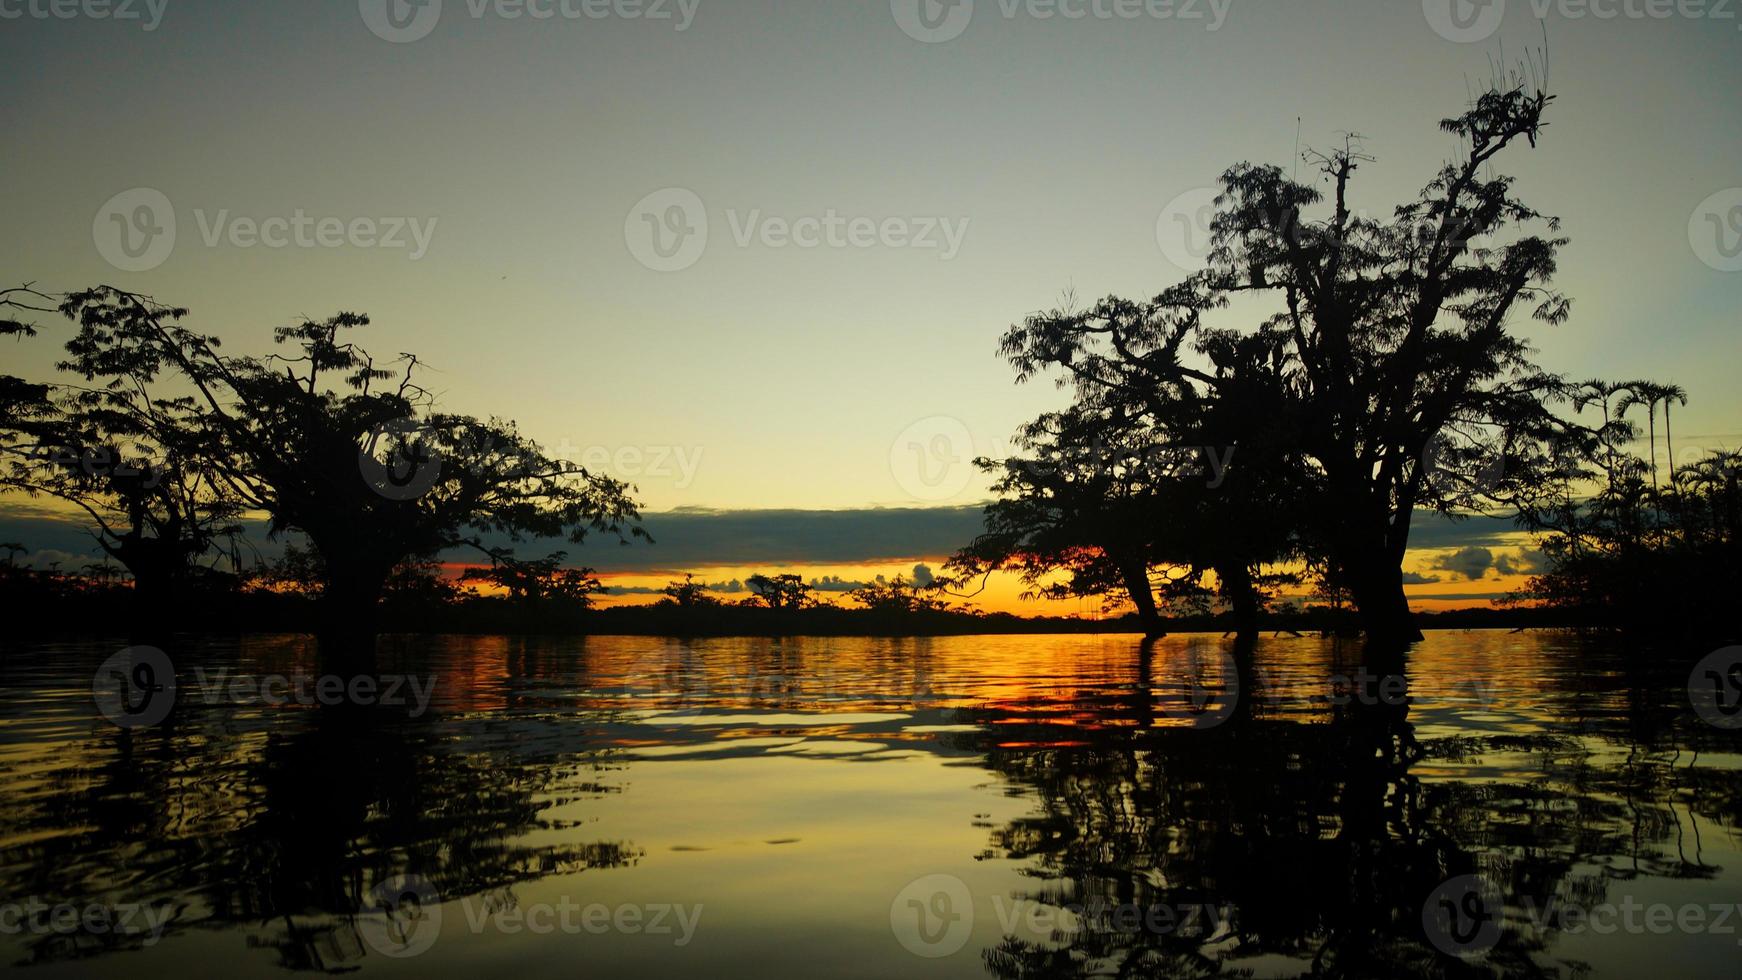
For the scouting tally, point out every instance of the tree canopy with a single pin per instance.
(1372, 366)
(319, 438)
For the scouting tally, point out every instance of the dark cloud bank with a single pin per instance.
(696, 538)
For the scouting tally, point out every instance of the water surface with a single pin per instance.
(951, 807)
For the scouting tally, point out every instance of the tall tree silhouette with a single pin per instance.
(1635, 393)
(131, 460)
(534, 581)
(1137, 478)
(1398, 338)
(302, 438)
(1609, 396)
(780, 591)
(1086, 501)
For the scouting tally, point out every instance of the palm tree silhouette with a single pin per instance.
(1600, 392)
(1672, 394)
(1651, 394)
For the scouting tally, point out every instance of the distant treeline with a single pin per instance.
(54, 603)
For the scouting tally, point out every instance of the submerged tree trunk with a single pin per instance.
(156, 605)
(1240, 591)
(156, 608)
(349, 616)
(1136, 575)
(1370, 538)
(1379, 600)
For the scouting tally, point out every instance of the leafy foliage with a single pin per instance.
(898, 595)
(292, 435)
(1639, 557)
(780, 591)
(1383, 373)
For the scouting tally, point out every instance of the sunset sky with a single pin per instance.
(520, 201)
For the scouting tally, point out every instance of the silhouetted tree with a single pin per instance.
(1088, 501)
(898, 595)
(1670, 394)
(1651, 395)
(131, 461)
(538, 580)
(1139, 489)
(1656, 561)
(688, 594)
(1403, 370)
(780, 591)
(18, 306)
(370, 475)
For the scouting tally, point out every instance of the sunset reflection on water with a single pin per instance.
(794, 788)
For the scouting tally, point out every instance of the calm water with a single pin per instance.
(961, 807)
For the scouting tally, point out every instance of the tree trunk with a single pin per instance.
(1669, 445)
(1370, 538)
(1651, 427)
(1377, 586)
(1241, 593)
(1136, 575)
(156, 600)
(349, 616)
(155, 605)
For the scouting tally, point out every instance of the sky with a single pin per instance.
(755, 256)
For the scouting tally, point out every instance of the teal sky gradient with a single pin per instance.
(793, 371)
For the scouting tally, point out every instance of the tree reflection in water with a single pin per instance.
(284, 825)
(1322, 826)
(1320, 842)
